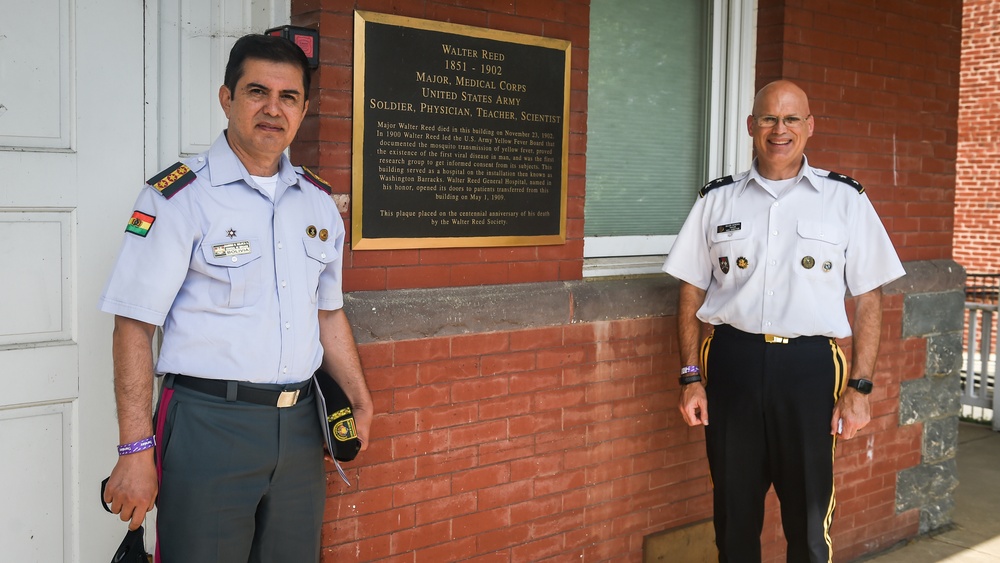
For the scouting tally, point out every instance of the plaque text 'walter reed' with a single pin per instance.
(461, 139)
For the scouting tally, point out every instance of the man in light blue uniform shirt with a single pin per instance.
(238, 255)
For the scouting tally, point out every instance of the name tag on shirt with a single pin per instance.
(729, 228)
(231, 249)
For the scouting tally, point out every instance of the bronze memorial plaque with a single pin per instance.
(460, 135)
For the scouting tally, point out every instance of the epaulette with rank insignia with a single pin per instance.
(172, 180)
(316, 180)
(716, 183)
(847, 180)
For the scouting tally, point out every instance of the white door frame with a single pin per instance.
(71, 138)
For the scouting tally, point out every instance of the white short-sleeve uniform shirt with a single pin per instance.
(235, 279)
(781, 263)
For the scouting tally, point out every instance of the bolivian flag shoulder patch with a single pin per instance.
(139, 223)
(172, 180)
(316, 180)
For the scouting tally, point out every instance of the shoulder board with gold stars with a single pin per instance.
(716, 183)
(847, 180)
(172, 180)
(316, 180)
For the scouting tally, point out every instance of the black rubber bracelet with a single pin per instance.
(688, 379)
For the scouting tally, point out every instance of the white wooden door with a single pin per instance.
(187, 48)
(95, 96)
(71, 133)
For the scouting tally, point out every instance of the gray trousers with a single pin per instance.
(240, 482)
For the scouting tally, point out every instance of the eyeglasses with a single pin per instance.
(790, 121)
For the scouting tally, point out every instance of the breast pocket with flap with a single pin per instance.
(235, 269)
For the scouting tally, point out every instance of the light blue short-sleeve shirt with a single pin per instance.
(781, 263)
(234, 279)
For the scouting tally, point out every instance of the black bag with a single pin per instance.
(336, 418)
(132, 548)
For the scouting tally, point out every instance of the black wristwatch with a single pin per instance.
(864, 386)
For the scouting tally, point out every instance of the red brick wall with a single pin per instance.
(552, 444)
(325, 140)
(563, 444)
(883, 84)
(977, 194)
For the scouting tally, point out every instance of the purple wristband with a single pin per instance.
(138, 446)
(687, 370)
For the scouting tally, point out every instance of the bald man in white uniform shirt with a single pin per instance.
(766, 258)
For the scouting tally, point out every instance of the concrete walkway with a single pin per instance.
(974, 536)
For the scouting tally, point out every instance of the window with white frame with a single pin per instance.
(670, 86)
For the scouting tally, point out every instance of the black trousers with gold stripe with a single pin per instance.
(769, 410)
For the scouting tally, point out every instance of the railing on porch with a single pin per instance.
(982, 299)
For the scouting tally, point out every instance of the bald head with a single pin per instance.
(780, 125)
(778, 91)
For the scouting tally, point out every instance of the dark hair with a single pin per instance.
(270, 48)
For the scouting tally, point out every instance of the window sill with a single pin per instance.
(623, 266)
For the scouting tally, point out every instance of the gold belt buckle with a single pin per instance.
(775, 339)
(288, 398)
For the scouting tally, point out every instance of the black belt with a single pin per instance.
(221, 388)
(769, 338)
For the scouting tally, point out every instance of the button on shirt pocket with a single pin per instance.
(320, 253)
(234, 268)
(819, 251)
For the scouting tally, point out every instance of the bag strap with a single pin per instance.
(104, 485)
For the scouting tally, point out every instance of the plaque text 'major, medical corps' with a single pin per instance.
(459, 135)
